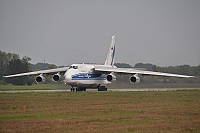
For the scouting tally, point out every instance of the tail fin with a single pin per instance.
(111, 53)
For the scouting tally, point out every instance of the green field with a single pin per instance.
(170, 111)
(53, 86)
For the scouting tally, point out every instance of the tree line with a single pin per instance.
(11, 63)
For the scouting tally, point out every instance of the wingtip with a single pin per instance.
(193, 77)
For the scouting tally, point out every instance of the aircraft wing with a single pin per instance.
(49, 71)
(108, 69)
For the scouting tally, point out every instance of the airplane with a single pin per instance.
(84, 76)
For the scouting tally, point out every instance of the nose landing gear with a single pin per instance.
(72, 89)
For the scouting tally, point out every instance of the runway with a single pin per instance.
(95, 90)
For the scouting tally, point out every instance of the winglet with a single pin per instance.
(111, 53)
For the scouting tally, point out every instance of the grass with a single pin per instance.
(52, 86)
(171, 111)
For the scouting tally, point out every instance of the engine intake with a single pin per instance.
(134, 79)
(111, 77)
(56, 77)
(40, 79)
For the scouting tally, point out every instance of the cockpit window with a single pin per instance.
(73, 67)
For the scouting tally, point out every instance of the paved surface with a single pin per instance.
(155, 89)
(94, 90)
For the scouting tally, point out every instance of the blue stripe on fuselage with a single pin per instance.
(88, 76)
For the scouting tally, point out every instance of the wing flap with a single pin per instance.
(108, 69)
(50, 71)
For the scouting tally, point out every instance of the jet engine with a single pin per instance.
(111, 77)
(56, 77)
(134, 79)
(40, 79)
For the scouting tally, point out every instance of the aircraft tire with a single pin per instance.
(72, 89)
(80, 89)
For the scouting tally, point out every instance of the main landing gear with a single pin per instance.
(78, 89)
(102, 88)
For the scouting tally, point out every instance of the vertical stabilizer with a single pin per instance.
(111, 53)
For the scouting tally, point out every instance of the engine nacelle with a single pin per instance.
(56, 77)
(111, 77)
(40, 79)
(134, 79)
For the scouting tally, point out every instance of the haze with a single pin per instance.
(161, 32)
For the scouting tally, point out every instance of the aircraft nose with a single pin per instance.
(67, 77)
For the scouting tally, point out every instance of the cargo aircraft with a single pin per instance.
(83, 76)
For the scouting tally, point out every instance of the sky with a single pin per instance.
(63, 32)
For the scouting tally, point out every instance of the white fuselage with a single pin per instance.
(84, 75)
